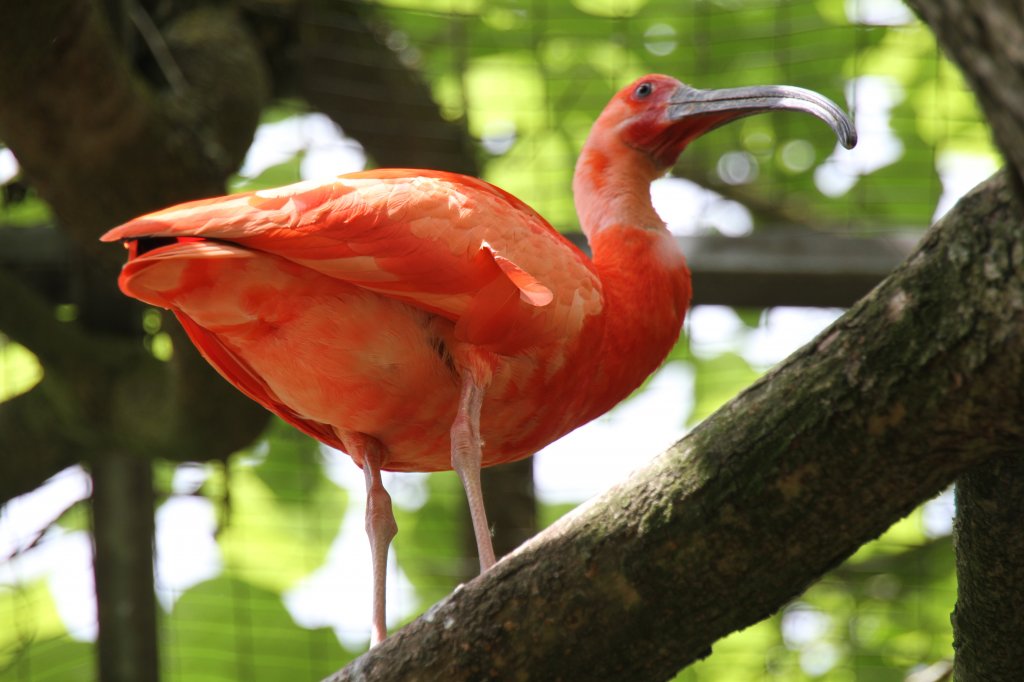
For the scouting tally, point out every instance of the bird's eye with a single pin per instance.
(643, 90)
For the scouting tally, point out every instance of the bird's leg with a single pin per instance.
(381, 528)
(466, 457)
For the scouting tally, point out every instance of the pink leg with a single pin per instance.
(380, 527)
(466, 458)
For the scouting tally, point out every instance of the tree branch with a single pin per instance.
(916, 383)
(98, 143)
(344, 68)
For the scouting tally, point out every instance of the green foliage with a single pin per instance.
(430, 542)
(275, 176)
(229, 629)
(284, 512)
(540, 72)
(51, 660)
(717, 381)
(19, 369)
(29, 622)
(27, 211)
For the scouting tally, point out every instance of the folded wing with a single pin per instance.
(453, 245)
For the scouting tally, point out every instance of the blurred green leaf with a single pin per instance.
(430, 545)
(284, 513)
(30, 211)
(718, 379)
(277, 175)
(229, 629)
(54, 659)
(19, 369)
(28, 621)
(292, 467)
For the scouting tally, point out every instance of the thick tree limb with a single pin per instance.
(336, 57)
(915, 384)
(344, 68)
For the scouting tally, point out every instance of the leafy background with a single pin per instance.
(258, 558)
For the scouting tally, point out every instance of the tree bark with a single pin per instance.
(985, 37)
(989, 616)
(915, 384)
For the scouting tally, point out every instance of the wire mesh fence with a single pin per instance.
(262, 570)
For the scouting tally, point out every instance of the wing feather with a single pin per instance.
(237, 372)
(450, 244)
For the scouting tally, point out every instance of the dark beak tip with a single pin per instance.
(850, 140)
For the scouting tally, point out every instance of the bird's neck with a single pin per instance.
(644, 277)
(612, 186)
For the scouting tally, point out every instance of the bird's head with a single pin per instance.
(659, 116)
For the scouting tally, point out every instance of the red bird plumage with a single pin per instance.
(406, 316)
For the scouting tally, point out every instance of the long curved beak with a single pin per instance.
(718, 107)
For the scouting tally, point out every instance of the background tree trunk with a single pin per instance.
(989, 619)
(122, 515)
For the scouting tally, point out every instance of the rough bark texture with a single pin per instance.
(986, 38)
(915, 384)
(989, 617)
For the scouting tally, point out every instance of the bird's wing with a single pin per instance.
(233, 368)
(447, 243)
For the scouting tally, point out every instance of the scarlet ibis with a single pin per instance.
(407, 317)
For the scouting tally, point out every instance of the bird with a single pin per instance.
(408, 317)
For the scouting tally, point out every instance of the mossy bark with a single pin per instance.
(985, 37)
(917, 383)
